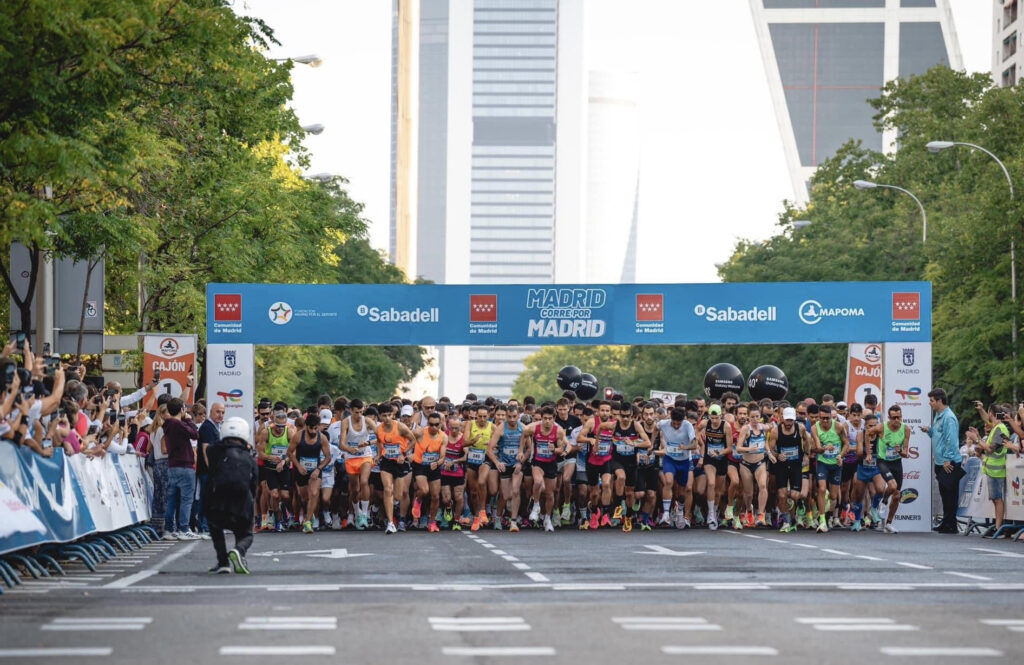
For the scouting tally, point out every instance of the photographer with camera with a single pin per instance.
(993, 461)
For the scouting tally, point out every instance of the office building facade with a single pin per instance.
(1007, 42)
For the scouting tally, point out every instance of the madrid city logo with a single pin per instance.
(229, 359)
(280, 313)
(812, 312)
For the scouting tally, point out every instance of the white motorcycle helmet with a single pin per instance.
(236, 428)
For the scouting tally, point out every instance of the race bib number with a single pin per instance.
(308, 463)
(476, 456)
(604, 446)
(392, 451)
(430, 458)
(280, 451)
(624, 448)
(543, 449)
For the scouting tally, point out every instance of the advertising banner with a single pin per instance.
(667, 397)
(104, 492)
(907, 378)
(47, 487)
(230, 379)
(426, 314)
(980, 508)
(175, 357)
(863, 372)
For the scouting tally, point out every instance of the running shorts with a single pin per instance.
(866, 474)
(830, 473)
(788, 474)
(394, 468)
(453, 481)
(679, 469)
(425, 470)
(595, 471)
(354, 465)
(719, 464)
(628, 467)
(647, 477)
(849, 471)
(550, 469)
(892, 470)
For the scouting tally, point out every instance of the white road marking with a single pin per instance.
(509, 557)
(718, 651)
(498, 651)
(823, 620)
(125, 582)
(448, 587)
(483, 627)
(813, 547)
(488, 545)
(969, 576)
(873, 627)
(659, 620)
(1002, 622)
(537, 577)
(277, 651)
(961, 652)
(498, 552)
(104, 620)
(672, 626)
(660, 549)
(835, 552)
(465, 620)
(521, 566)
(913, 565)
(50, 653)
(776, 540)
(1016, 629)
(289, 623)
(876, 587)
(991, 552)
(588, 587)
(750, 535)
(868, 558)
(730, 587)
(97, 623)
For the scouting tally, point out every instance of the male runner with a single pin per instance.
(628, 439)
(393, 437)
(893, 446)
(854, 422)
(788, 441)
(310, 452)
(478, 435)
(505, 456)
(599, 434)
(679, 440)
(431, 443)
(830, 443)
(545, 442)
(718, 445)
(571, 425)
(354, 441)
(272, 449)
(648, 469)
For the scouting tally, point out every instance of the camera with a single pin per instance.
(120, 419)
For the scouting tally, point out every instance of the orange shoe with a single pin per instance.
(476, 524)
(483, 518)
(432, 528)
(760, 521)
(417, 509)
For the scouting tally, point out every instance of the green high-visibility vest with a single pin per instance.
(994, 462)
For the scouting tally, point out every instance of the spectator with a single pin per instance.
(160, 468)
(993, 464)
(209, 434)
(179, 430)
(945, 435)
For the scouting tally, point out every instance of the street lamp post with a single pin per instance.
(867, 184)
(315, 128)
(313, 60)
(939, 146)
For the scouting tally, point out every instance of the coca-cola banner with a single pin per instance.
(907, 378)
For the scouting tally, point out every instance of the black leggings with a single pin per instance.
(241, 527)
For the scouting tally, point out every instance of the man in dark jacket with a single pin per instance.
(233, 477)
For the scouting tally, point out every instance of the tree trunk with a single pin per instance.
(90, 265)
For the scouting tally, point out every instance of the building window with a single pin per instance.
(1010, 77)
(1009, 46)
(1009, 12)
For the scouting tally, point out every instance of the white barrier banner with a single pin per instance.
(104, 491)
(907, 377)
(981, 508)
(231, 379)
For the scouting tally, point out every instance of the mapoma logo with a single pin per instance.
(812, 312)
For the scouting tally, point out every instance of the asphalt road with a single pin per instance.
(606, 597)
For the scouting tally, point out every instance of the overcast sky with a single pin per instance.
(712, 167)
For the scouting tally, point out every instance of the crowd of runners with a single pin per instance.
(623, 464)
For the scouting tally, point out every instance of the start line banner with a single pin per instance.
(539, 314)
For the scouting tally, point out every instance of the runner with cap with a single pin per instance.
(788, 441)
(679, 440)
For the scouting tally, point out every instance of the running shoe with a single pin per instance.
(548, 526)
(713, 524)
(627, 524)
(889, 528)
(856, 526)
(535, 512)
(698, 515)
(220, 570)
(278, 527)
(432, 528)
(401, 525)
(483, 518)
(875, 517)
(748, 519)
(645, 524)
(760, 520)
(605, 520)
(636, 506)
(390, 528)
(265, 525)
(448, 516)
(497, 524)
(456, 526)
(417, 509)
(595, 520)
(307, 527)
(736, 524)
(566, 512)
(617, 513)
(513, 526)
(728, 512)
(822, 527)
(584, 524)
(787, 527)
(362, 522)
(238, 562)
(476, 524)
(665, 520)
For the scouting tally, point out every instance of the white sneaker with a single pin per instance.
(889, 528)
(713, 524)
(665, 519)
(566, 512)
(188, 535)
(170, 535)
(390, 528)
(535, 514)
(548, 526)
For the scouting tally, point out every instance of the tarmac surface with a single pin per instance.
(496, 597)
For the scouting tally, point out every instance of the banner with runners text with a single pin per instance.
(525, 314)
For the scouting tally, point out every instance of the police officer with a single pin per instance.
(233, 478)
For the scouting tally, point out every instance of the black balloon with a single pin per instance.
(569, 377)
(587, 388)
(768, 381)
(723, 378)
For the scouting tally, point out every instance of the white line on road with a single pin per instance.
(483, 627)
(813, 547)
(659, 620)
(868, 558)
(498, 651)
(992, 552)
(873, 627)
(875, 587)
(969, 576)
(913, 565)
(521, 566)
(487, 545)
(730, 587)
(50, 653)
(103, 620)
(475, 619)
(1002, 622)
(776, 540)
(750, 535)
(840, 553)
(289, 623)
(814, 620)
(537, 577)
(509, 557)
(92, 626)
(498, 552)
(961, 652)
(277, 651)
(719, 651)
(672, 626)
(125, 582)
(587, 587)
